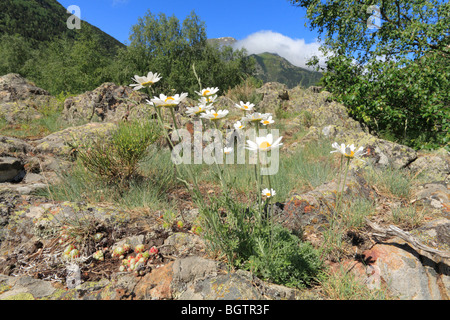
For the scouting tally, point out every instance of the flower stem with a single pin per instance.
(338, 208)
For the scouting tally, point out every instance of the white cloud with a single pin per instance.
(296, 51)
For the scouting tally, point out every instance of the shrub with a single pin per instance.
(116, 159)
(281, 257)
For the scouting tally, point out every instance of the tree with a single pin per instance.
(165, 45)
(15, 51)
(389, 63)
(69, 66)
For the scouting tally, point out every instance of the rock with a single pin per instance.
(182, 244)
(22, 188)
(13, 147)
(196, 278)
(431, 168)
(233, 286)
(436, 195)
(21, 100)
(435, 234)
(109, 102)
(330, 119)
(315, 89)
(59, 143)
(14, 112)
(271, 87)
(380, 152)
(271, 99)
(14, 87)
(306, 213)
(24, 288)
(11, 169)
(156, 284)
(407, 275)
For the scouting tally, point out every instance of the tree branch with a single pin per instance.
(414, 242)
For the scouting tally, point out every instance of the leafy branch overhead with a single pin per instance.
(389, 63)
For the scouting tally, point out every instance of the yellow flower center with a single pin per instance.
(245, 107)
(268, 194)
(349, 153)
(148, 83)
(266, 122)
(215, 115)
(169, 98)
(264, 145)
(206, 93)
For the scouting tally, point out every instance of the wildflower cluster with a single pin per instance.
(245, 234)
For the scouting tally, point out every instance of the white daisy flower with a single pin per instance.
(238, 125)
(264, 143)
(268, 193)
(192, 111)
(145, 81)
(267, 121)
(348, 151)
(213, 115)
(207, 92)
(244, 106)
(227, 150)
(207, 100)
(256, 117)
(168, 101)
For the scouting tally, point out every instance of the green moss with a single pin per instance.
(20, 296)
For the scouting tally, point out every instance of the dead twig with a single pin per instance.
(406, 236)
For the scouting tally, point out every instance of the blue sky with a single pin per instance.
(259, 25)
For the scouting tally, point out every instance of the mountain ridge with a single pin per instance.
(45, 21)
(271, 67)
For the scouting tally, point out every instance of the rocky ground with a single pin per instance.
(410, 265)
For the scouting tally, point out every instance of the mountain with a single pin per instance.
(44, 20)
(271, 67)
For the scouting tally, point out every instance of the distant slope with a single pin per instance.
(271, 67)
(43, 20)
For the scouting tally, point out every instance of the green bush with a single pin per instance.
(395, 77)
(281, 257)
(116, 159)
(267, 249)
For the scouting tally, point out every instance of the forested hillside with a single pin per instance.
(36, 43)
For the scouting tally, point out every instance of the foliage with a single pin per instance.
(116, 159)
(343, 284)
(148, 191)
(269, 250)
(272, 67)
(70, 66)
(394, 79)
(391, 181)
(283, 258)
(42, 21)
(246, 91)
(165, 44)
